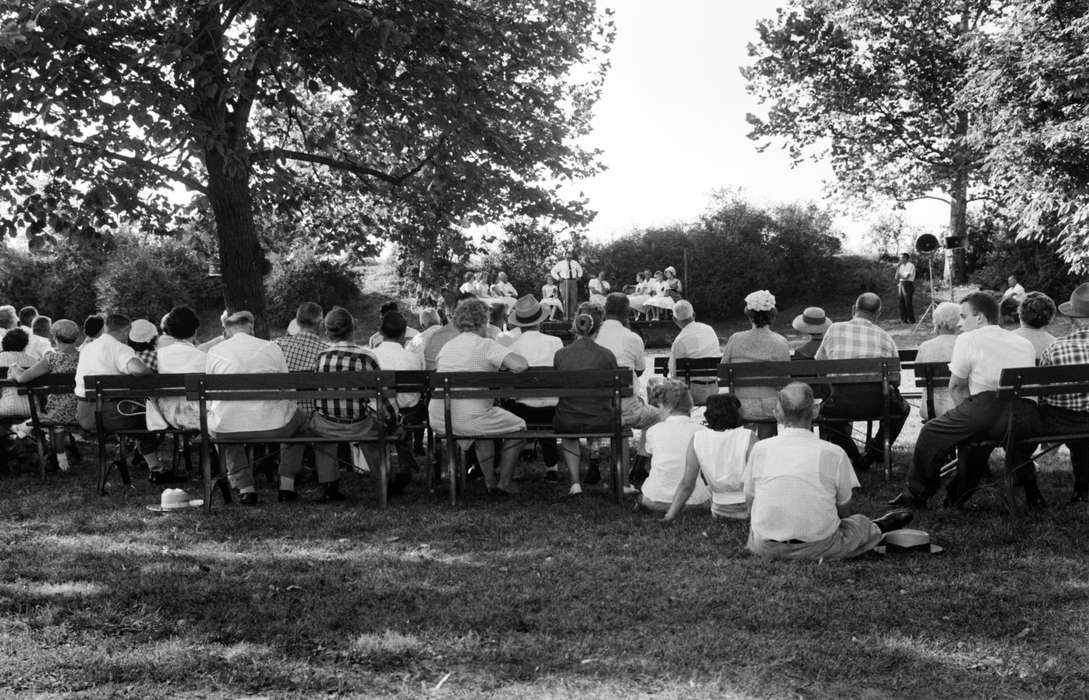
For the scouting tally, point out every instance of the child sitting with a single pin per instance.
(667, 444)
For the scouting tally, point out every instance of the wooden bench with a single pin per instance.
(534, 383)
(884, 371)
(294, 386)
(419, 382)
(38, 391)
(100, 389)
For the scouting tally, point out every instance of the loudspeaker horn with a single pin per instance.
(927, 243)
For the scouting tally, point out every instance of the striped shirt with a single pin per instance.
(1070, 350)
(345, 357)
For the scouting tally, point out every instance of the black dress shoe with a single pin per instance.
(593, 474)
(287, 496)
(895, 520)
(906, 499)
(248, 499)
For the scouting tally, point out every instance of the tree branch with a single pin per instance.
(181, 177)
(329, 162)
(943, 200)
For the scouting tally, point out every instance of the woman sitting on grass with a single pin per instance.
(667, 444)
(717, 456)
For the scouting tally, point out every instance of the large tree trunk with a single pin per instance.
(241, 260)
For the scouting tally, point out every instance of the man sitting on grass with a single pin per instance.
(799, 491)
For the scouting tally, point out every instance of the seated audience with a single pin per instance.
(13, 356)
(41, 337)
(209, 344)
(377, 338)
(667, 444)
(60, 409)
(760, 344)
(1035, 313)
(814, 323)
(109, 354)
(301, 349)
(630, 351)
(860, 338)
(799, 490)
(92, 328)
(718, 457)
(392, 355)
(695, 341)
(143, 339)
(982, 351)
(540, 351)
(180, 356)
(577, 413)
(353, 420)
(442, 335)
(472, 351)
(1067, 413)
(242, 353)
(940, 349)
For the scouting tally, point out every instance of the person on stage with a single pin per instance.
(568, 272)
(599, 288)
(905, 278)
(550, 297)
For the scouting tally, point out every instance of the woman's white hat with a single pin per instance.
(175, 499)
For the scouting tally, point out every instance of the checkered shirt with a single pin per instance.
(150, 358)
(1070, 350)
(301, 352)
(857, 338)
(348, 357)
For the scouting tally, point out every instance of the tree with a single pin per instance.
(525, 252)
(875, 86)
(416, 114)
(1029, 86)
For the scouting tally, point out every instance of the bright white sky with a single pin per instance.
(671, 121)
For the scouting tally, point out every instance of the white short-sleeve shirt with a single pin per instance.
(539, 350)
(695, 340)
(980, 356)
(103, 355)
(244, 354)
(394, 356)
(667, 444)
(796, 480)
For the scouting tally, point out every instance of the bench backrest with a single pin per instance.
(122, 387)
(538, 382)
(273, 386)
(1043, 381)
(413, 381)
(907, 355)
(823, 372)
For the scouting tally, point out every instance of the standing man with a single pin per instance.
(567, 274)
(695, 341)
(905, 277)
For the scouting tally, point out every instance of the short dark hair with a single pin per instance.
(41, 325)
(27, 314)
(983, 303)
(182, 322)
(117, 322)
(15, 340)
(92, 325)
(308, 315)
(1036, 310)
(617, 305)
(387, 307)
(393, 325)
(339, 324)
(723, 412)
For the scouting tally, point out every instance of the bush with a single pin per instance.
(20, 283)
(68, 290)
(298, 278)
(137, 282)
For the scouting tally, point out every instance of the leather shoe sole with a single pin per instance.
(895, 520)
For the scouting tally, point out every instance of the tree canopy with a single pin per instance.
(350, 120)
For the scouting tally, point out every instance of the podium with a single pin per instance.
(569, 293)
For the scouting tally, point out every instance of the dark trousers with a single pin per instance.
(1059, 421)
(113, 420)
(861, 402)
(979, 417)
(907, 302)
(538, 415)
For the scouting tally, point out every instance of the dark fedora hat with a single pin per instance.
(527, 311)
(1078, 306)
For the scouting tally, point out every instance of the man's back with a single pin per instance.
(435, 343)
(301, 350)
(1072, 349)
(626, 345)
(244, 354)
(796, 481)
(980, 355)
(857, 338)
(696, 340)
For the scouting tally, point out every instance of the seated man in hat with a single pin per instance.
(1069, 413)
(980, 353)
(858, 338)
(799, 491)
(540, 351)
(695, 341)
(241, 352)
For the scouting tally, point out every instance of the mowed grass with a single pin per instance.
(539, 596)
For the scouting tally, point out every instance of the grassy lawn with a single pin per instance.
(537, 597)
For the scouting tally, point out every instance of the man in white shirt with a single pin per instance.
(695, 341)
(982, 350)
(567, 274)
(242, 353)
(109, 354)
(393, 356)
(1014, 290)
(376, 338)
(37, 345)
(799, 489)
(539, 350)
(905, 278)
(630, 352)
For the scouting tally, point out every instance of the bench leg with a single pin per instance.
(618, 468)
(103, 466)
(383, 472)
(452, 469)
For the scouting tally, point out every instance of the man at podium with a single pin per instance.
(567, 274)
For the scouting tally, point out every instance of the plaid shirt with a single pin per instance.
(348, 357)
(1071, 350)
(301, 352)
(857, 338)
(150, 358)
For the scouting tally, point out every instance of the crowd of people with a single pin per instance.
(751, 454)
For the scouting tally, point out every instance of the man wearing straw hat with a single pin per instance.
(1069, 413)
(539, 350)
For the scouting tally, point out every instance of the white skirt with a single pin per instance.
(661, 302)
